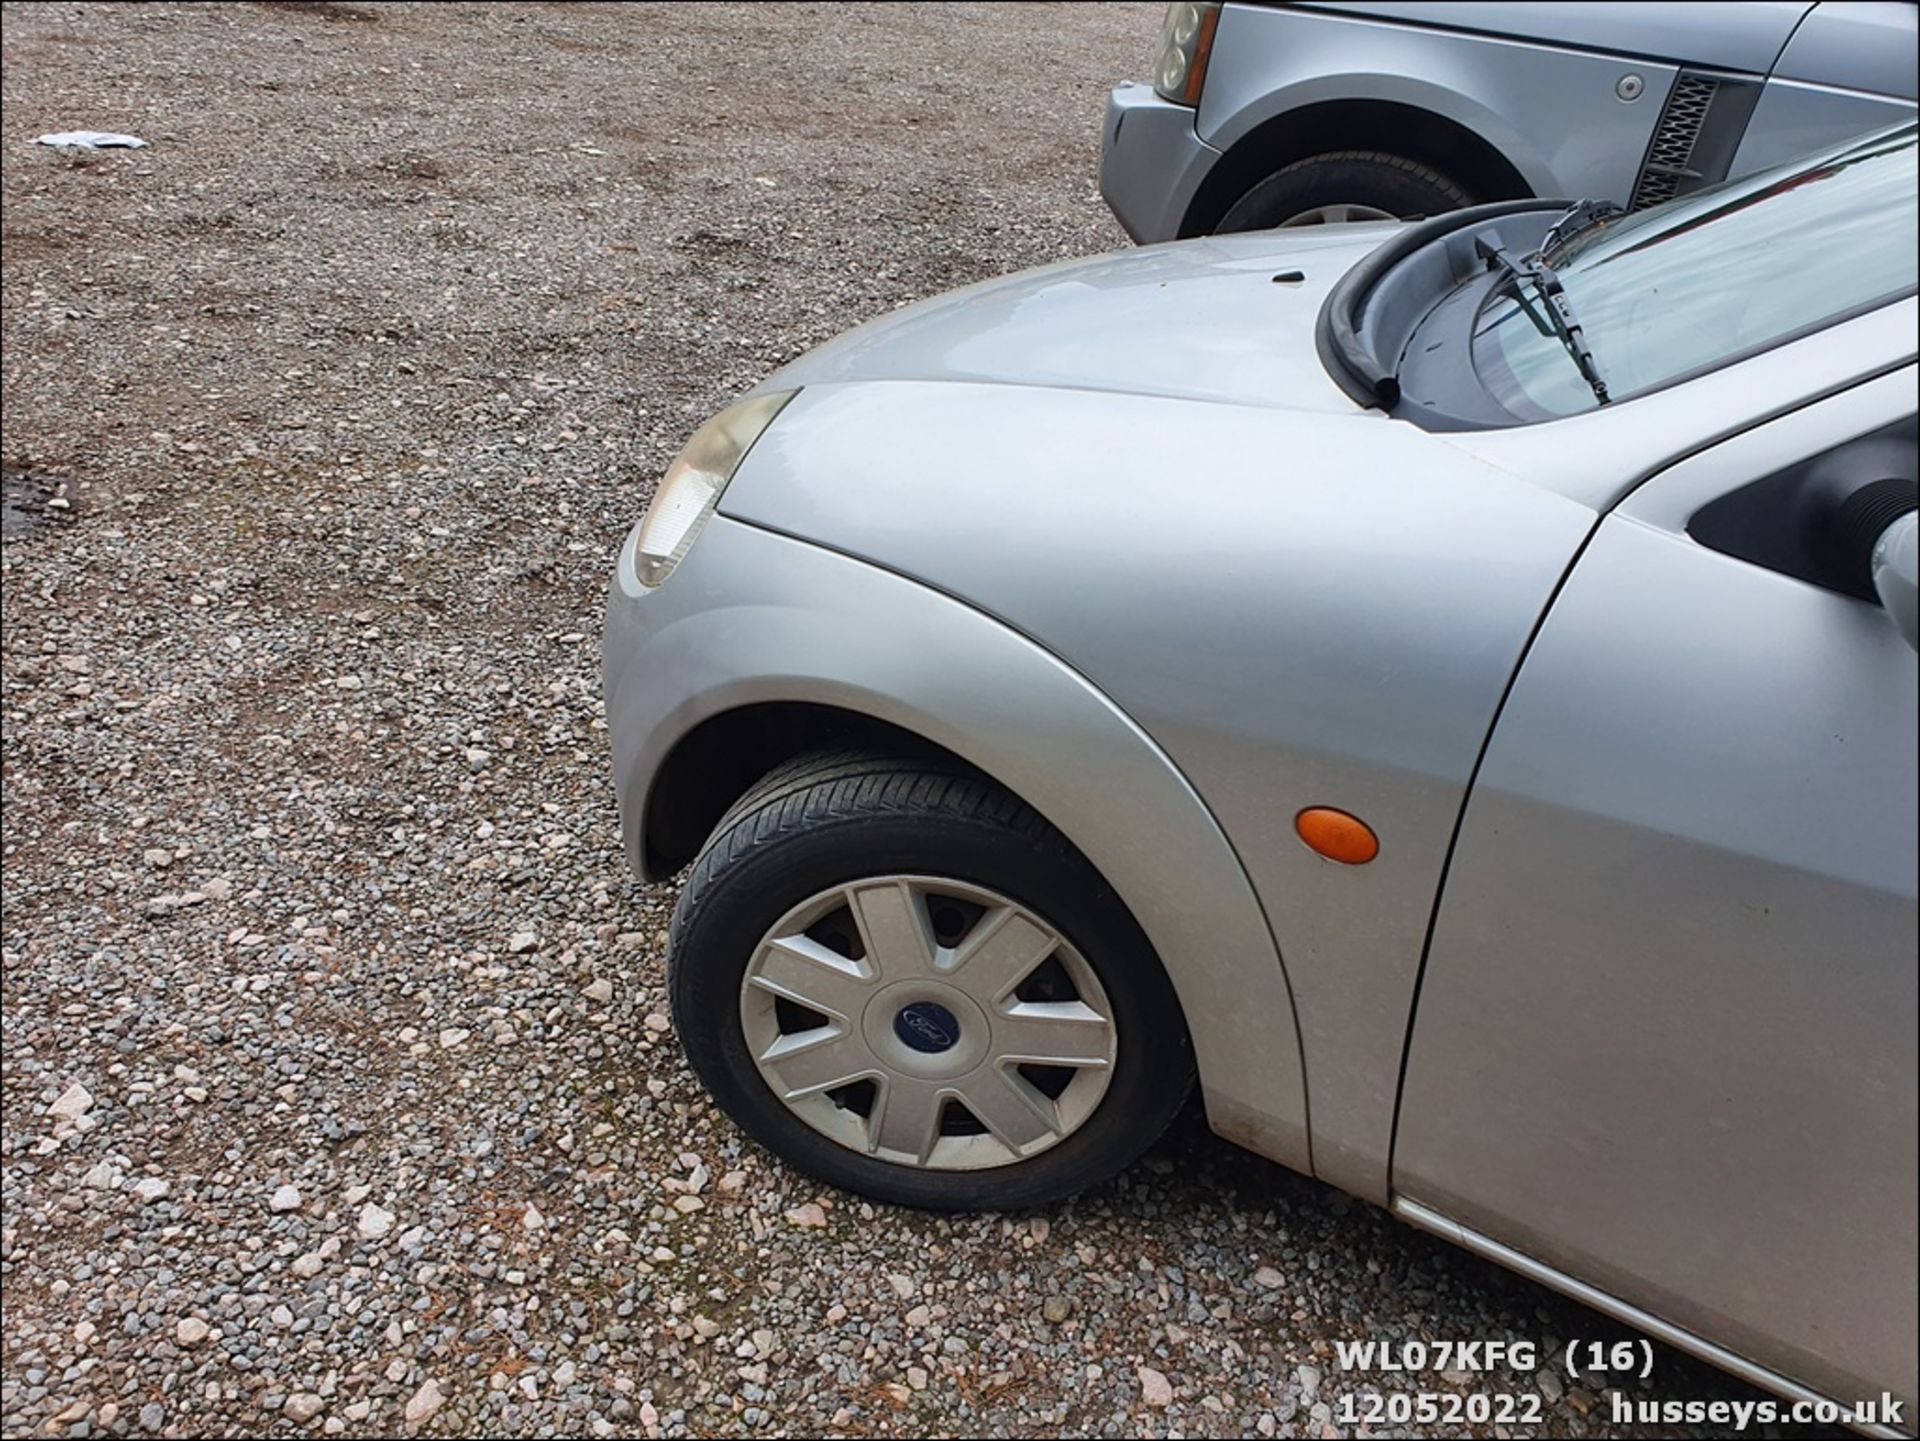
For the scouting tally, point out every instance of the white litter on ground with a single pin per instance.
(92, 140)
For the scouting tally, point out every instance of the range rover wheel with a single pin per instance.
(1343, 187)
(898, 977)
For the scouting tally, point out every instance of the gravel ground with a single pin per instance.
(339, 1093)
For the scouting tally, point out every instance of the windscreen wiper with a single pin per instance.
(1579, 219)
(1535, 275)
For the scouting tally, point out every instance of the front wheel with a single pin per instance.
(1344, 187)
(899, 978)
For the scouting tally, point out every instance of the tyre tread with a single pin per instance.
(1258, 196)
(824, 797)
(841, 786)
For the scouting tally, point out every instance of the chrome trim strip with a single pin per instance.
(1427, 1219)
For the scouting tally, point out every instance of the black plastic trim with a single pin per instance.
(1712, 145)
(1719, 139)
(1337, 329)
(1818, 519)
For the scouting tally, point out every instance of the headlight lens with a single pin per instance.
(689, 491)
(1186, 44)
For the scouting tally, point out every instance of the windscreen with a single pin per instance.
(1718, 274)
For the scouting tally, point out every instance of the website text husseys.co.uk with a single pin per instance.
(1601, 1365)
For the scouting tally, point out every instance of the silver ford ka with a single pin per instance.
(1450, 688)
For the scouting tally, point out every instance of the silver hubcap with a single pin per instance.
(1336, 215)
(928, 1023)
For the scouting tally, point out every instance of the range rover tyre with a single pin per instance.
(898, 977)
(1343, 187)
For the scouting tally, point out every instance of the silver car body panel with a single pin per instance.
(1855, 45)
(1726, 34)
(751, 617)
(1675, 956)
(1552, 112)
(1239, 662)
(1427, 1219)
(1535, 81)
(1797, 117)
(1165, 161)
(1200, 320)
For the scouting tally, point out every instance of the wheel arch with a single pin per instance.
(718, 758)
(722, 757)
(1392, 126)
(816, 646)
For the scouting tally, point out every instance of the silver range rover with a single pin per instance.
(1260, 115)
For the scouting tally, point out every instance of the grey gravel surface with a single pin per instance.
(339, 1091)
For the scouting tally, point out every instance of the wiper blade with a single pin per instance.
(1579, 219)
(1534, 274)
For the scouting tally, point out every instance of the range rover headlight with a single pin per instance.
(1186, 44)
(690, 490)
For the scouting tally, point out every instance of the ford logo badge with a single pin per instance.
(927, 1026)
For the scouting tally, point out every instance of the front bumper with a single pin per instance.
(1151, 162)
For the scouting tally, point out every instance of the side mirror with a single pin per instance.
(1896, 574)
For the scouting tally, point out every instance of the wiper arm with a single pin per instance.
(1536, 275)
(1579, 219)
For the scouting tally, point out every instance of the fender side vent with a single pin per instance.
(1700, 129)
(1670, 155)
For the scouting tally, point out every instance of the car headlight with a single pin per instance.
(690, 490)
(1186, 44)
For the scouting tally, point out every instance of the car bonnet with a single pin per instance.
(1228, 318)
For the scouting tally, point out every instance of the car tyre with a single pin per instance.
(1344, 185)
(831, 819)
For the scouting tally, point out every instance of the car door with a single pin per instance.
(1665, 1034)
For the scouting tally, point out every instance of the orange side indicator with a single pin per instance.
(1337, 835)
